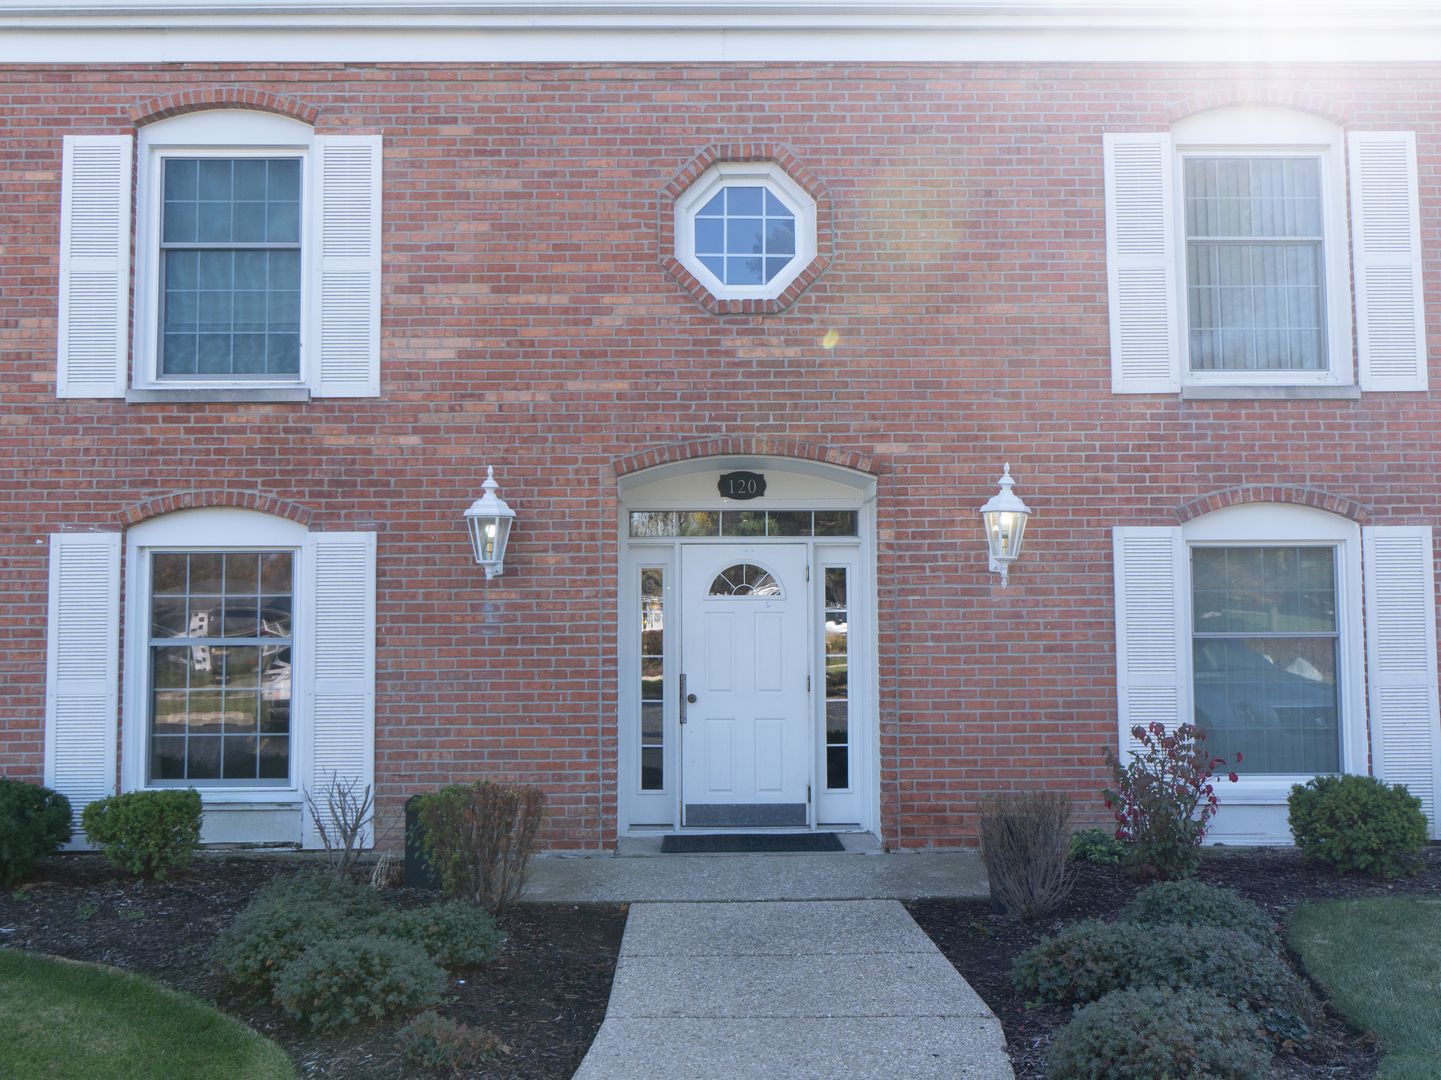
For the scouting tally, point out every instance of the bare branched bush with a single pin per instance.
(479, 838)
(342, 822)
(1025, 838)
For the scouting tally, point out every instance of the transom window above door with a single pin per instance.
(748, 523)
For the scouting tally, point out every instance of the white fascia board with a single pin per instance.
(598, 31)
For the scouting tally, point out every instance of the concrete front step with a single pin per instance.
(685, 878)
(789, 991)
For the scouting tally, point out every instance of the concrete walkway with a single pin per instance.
(819, 990)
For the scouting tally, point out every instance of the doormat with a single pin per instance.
(749, 843)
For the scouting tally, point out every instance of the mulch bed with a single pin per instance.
(545, 996)
(983, 947)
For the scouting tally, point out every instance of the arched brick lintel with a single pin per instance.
(1274, 493)
(192, 500)
(221, 97)
(1259, 95)
(790, 448)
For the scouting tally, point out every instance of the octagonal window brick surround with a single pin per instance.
(745, 229)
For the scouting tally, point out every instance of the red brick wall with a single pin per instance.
(528, 325)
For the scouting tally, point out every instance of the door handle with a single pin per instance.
(683, 699)
(690, 698)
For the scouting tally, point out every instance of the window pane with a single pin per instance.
(1261, 690)
(743, 523)
(652, 709)
(1254, 306)
(220, 706)
(836, 635)
(228, 311)
(652, 523)
(1271, 699)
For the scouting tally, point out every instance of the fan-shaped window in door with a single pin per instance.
(743, 579)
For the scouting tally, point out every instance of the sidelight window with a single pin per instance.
(652, 679)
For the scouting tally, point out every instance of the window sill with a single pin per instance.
(1270, 393)
(260, 395)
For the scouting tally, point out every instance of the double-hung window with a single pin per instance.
(1230, 258)
(1255, 276)
(1292, 636)
(230, 267)
(257, 262)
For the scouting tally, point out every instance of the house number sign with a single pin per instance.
(742, 485)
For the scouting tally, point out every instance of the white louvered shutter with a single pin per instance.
(1141, 264)
(1386, 249)
(1397, 564)
(1152, 644)
(344, 347)
(340, 652)
(93, 331)
(82, 667)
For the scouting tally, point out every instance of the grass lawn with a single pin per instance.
(64, 1020)
(1380, 961)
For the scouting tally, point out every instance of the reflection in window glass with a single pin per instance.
(220, 703)
(1265, 656)
(743, 579)
(645, 524)
(652, 679)
(837, 635)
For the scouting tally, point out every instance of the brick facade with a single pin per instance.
(530, 323)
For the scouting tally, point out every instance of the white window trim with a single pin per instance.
(221, 529)
(732, 173)
(1279, 525)
(1267, 131)
(230, 133)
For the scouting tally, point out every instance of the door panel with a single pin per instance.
(746, 747)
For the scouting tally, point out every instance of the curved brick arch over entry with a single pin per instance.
(1273, 493)
(221, 97)
(790, 448)
(192, 500)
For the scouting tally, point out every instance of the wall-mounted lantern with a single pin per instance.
(1005, 517)
(488, 520)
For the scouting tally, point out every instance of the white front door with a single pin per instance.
(745, 735)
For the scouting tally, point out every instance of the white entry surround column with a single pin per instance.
(782, 736)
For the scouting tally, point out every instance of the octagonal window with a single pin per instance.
(745, 230)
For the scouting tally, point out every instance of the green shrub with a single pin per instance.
(455, 934)
(1191, 903)
(348, 980)
(1357, 823)
(285, 918)
(1090, 959)
(1154, 1033)
(447, 1046)
(478, 839)
(146, 832)
(1097, 846)
(34, 821)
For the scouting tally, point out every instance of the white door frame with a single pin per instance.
(792, 484)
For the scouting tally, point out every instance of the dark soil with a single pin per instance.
(545, 996)
(983, 946)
